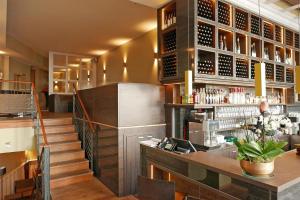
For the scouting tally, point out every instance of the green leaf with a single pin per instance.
(272, 154)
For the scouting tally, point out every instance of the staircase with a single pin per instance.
(67, 160)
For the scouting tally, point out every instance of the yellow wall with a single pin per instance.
(139, 56)
(16, 139)
(16, 67)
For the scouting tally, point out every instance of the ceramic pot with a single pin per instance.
(257, 169)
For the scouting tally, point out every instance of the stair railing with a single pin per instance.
(43, 169)
(87, 130)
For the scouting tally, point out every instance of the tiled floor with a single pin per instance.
(89, 190)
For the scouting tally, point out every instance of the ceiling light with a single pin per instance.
(147, 26)
(86, 60)
(119, 41)
(73, 65)
(99, 52)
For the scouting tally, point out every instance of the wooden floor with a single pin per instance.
(49, 115)
(89, 190)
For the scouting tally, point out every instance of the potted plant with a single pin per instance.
(258, 150)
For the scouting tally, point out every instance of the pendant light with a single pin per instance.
(297, 70)
(260, 70)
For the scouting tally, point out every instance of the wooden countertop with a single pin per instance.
(286, 173)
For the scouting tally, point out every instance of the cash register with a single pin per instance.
(179, 146)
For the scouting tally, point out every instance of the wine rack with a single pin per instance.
(169, 66)
(253, 62)
(269, 72)
(255, 25)
(206, 62)
(289, 75)
(225, 63)
(288, 37)
(206, 9)
(206, 35)
(279, 73)
(224, 13)
(242, 68)
(225, 42)
(241, 20)
(169, 41)
(278, 34)
(297, 43)
(268, 30)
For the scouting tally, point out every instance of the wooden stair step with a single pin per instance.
(66, 156)
(58, 121)
(64, 137)
(59, 129)
(69, 178)
(65, 146)
(68, 166)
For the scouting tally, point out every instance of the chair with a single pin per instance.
(150, 189)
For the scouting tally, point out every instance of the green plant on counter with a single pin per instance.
(259, 151)
(260, 146)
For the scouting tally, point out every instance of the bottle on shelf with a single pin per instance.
(225, 43)
(253, 50)
(266, 53)
(238, 46)
(221, 43)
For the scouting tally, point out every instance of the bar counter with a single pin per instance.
(217, 177)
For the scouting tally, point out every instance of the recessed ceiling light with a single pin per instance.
(73, 65)
(147, 26)
(99, 52)
(86, 60)
(119, 41)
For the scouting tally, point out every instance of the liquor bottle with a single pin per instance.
(238, 47)
(221, 43)
(225, 43)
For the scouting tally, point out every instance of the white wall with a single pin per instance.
(16, 139)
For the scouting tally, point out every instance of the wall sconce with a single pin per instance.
(104, 71)
(55, 82)
(124, 64)
(156, 56)
(89, 77)
(1, 75)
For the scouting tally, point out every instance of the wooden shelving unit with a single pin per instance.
(221, 41)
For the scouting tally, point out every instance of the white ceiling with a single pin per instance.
(91, 27)
(88, 27)
(152, 3)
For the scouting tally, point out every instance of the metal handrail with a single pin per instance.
(37, 105)
(86, 115)
(43, 167)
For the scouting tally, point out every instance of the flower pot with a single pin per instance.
(257, 169)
